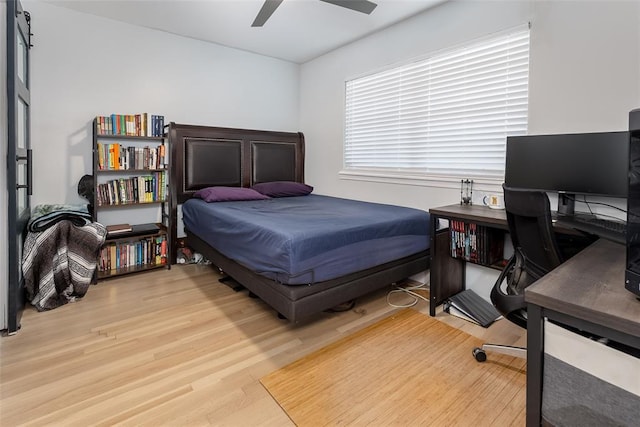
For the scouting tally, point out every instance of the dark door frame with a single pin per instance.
(19, 175)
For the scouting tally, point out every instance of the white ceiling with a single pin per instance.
(298, 31)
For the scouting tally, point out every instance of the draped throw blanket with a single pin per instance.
(58, 263)
(44, 216)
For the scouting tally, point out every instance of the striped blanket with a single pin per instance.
(44, 216)
(58, 263)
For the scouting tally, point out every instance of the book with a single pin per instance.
(143, 124)
(472, 307)
(476, 243)
(118, 228)
(139, 229)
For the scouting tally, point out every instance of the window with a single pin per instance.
(444, 117)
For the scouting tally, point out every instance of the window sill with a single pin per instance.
(403, 178)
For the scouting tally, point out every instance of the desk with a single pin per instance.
(447, 274)
(586, 292)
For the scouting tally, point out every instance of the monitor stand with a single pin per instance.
(566, 204)
(566, 208)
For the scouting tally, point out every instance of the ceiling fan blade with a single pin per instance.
(266, 11)
(363, 6)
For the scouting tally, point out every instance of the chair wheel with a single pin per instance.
(479, 354)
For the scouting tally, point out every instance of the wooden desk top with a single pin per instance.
(590, 286)
(496, 217)
(486, 216)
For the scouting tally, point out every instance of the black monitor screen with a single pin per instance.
(586, 163)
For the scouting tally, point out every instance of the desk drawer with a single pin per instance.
(586, 382)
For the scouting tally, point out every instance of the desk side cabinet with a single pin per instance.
(472, 234)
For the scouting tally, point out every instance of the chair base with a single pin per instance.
(481, 355)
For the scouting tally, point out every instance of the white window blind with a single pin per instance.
(447, 115)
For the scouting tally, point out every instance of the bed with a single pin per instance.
(319, 253)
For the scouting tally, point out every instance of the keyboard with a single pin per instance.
(605, 228)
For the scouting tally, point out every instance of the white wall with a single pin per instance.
(85, 66)
(4, 196)
(585, 65)
(584, 77)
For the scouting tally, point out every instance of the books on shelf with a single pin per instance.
(144, 124)
(118, 157)
(149, 251)
(131, 159)
(135, 189)
(471, 307)
(476, 243)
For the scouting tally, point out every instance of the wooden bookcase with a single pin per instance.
(131, 172)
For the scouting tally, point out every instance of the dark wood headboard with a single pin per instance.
(206, 156)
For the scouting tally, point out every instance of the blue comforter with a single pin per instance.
(307, 239)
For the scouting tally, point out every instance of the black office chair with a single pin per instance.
(536, 252)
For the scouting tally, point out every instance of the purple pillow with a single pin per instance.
(283, 188)
(226, 194)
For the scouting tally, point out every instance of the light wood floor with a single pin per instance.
(171, 348)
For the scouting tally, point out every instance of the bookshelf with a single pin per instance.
(130, 165)
(477, 243)
(473, 234)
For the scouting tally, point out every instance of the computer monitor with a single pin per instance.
(569, 164)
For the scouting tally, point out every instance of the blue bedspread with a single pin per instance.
(308, 239)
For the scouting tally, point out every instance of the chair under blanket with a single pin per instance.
(59, 262)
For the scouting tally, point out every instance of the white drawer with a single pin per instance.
(606, 363)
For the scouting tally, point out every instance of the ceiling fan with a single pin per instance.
(270, 6)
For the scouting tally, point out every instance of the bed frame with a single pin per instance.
(203, 156)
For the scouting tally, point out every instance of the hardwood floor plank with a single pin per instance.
(178, 347)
